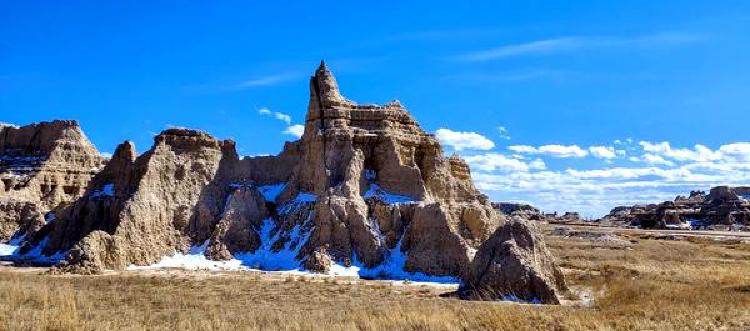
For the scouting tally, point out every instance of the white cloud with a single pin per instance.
(537, 164)
(277, 115)
(575, 43)
(296, 130)
(699, 153)
(503, 132)
(463, 140)
(658, 172)
(551, 150)
(266, 80)
(523, 149)
(500, 162)
(283, 117)
(563, 151)
(603, 152)
(655, 159)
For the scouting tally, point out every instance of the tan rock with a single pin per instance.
(515, 264)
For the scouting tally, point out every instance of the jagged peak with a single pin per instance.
(125, 151)
(324, 88)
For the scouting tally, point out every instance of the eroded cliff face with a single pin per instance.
(365, 187)
(43, 168)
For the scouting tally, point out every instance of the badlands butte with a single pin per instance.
(364, 187)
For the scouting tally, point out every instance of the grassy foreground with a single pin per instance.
(657, 285)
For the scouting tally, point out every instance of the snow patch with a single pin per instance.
(514, 298)
(392, 199)
(305, 197)
(9, 251)
(392, 268)
(107, 190)
(271, 192)
(374, 191)
(264, 258)
(2, 124)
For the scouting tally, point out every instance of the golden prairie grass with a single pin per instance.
(657, 285)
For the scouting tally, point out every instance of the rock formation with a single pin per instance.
(364, 187)
(43, 168)
(723, 206)
(514, 264)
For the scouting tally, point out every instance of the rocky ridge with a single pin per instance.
(364, 188)
(724, 206)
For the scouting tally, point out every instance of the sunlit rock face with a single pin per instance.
(364, 191)
(44, 167)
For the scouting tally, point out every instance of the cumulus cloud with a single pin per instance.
(463, 140)
(655, 159)
(658, 172)
(699, 153)
(551, 150)
(496, 161)
(603, 152)
(295, 130)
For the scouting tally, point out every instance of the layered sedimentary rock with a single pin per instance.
(723, 206)
(364, 187)
(43, 168)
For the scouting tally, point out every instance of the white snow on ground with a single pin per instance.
(10, 251)
(514, 298)
(11, 247)
(392, 268)
(374, 190)
(271, 192)
(264, 258)
(7, 249)
(107, 190)
(389, 198)
(193, 260)
(744, 196)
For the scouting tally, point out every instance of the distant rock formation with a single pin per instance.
(365, 186)
(525, 211)
(723, 206)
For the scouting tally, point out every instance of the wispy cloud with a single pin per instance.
(267, 80)
(277, 115)
(503, 132)
(575, 43)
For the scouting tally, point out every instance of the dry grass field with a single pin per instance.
(695, 284)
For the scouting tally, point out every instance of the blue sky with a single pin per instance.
(600, 102)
